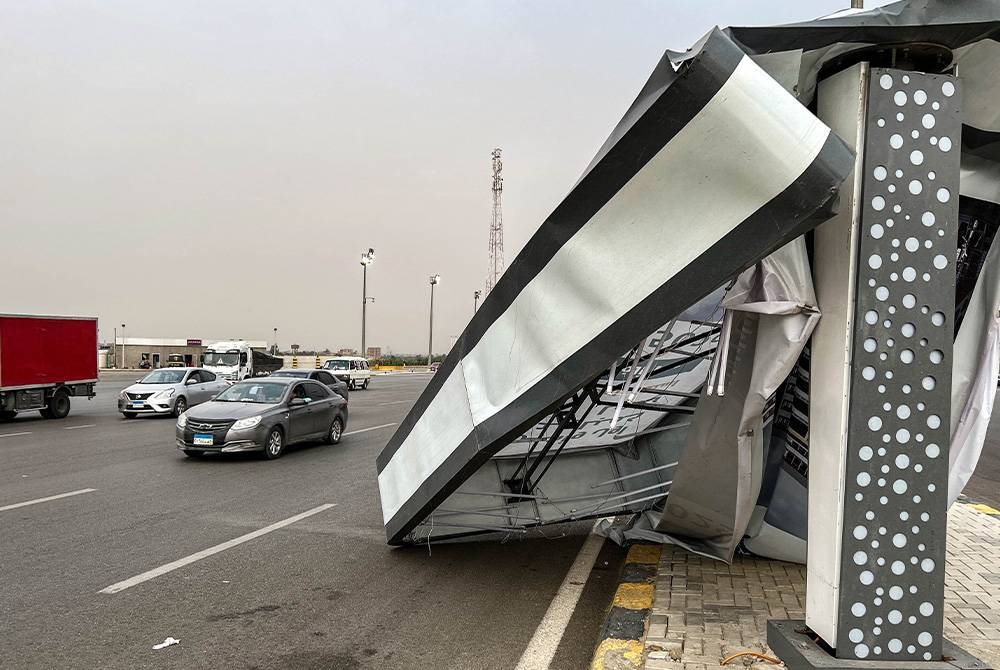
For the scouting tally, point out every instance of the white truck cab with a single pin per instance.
(236, 360)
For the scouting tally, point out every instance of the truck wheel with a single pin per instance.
(351, 385)
(58, 406)
(364, 387)
(7, 415)
(46, 414)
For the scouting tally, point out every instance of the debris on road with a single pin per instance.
(166, 643)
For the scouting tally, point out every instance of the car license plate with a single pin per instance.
(137, 403)
(204, 440)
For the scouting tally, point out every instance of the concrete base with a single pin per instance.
(796, 646)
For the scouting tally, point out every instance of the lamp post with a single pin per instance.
(274, 350)
(366, 259)
(123, 347)
(435, 280)
(475, 304)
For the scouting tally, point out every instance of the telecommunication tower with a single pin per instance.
(496, 226)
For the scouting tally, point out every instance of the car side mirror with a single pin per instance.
(296, 402)
(190, 381)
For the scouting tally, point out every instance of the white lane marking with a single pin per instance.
(47, 499)
(365, 430)
(394, 402)
(14, 434)
(89, 425)
(545, 641)
(205, 553)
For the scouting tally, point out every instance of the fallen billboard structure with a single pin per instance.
(650, 341)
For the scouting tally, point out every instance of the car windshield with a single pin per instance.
(219, 358)
(337, 365)
(263, 393)
(164, 377)
(290, 373)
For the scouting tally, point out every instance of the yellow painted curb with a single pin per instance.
(629, 651)
(985, 509)
(634, 596)
(646, 554)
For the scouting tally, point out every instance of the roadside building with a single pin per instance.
(136, 352)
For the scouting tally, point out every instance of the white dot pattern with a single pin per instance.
(902, 360)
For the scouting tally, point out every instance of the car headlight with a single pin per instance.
(123, 395)
(162, 395)
(247, 423)
(182, 420)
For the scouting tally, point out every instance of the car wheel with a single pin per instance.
(364, 387)
(193, 453)
(59, 406)
(274, 447)
(128, 415)
(351, 385)
(336, 431)
(180, 406)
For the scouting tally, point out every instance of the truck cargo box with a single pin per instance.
(47, 350)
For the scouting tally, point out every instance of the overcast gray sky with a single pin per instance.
(214, 169)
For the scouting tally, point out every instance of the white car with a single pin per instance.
(352, 369)
(170, 391)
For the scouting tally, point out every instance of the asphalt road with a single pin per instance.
(323, 592)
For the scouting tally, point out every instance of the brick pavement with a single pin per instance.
(704, 610)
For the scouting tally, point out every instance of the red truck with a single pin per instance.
(45, 361)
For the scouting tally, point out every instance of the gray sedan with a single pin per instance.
(265, 414)
(169, 391)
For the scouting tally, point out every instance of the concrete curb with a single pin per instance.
(624, 630)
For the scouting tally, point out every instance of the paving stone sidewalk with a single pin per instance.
(705, 610)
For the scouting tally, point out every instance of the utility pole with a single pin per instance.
(366, 260)
(274, 349)
(435, 280)
(475, 303)
(123, 346)
(496, 225)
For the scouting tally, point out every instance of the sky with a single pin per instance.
(214, 169)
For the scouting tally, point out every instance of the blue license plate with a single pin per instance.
(203, 440)
(137, 403)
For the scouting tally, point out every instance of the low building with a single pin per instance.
(373, 352)
(136, 352)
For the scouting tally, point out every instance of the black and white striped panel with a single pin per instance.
(713, 167)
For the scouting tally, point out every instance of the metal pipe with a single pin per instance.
(636, 474)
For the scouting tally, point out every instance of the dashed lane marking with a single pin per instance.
(89, 425)
(205, 553)
(46, 499)
(14, 434)
(365, 430)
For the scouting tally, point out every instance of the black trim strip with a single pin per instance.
(797, 209)
(682, 96)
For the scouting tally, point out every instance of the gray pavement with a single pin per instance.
(324, 592)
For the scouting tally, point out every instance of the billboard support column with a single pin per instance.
(881, 380)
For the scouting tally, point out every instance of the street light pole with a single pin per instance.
(366, 260)
(274, 351)
(475, 305)
(435, 279)
(123, 347)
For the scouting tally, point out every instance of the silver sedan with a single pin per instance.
(170, 391)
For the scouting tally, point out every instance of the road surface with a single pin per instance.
(323, 591)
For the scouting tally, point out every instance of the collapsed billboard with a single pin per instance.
(658, 317)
